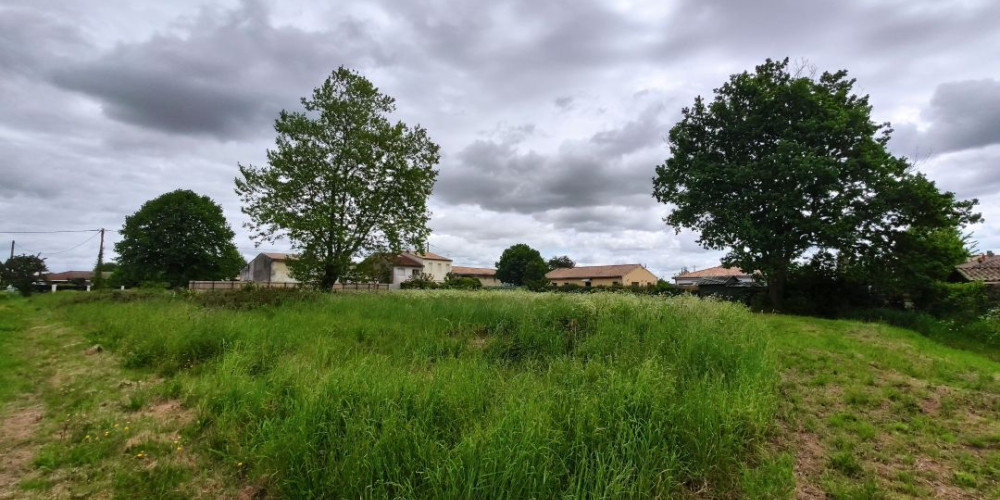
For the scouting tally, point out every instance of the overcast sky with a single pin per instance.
(551, 116)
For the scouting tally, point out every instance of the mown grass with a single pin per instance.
(459, 395)
(874, 411)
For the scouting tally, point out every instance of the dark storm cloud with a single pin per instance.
(611, 167)
(227, 76)
(965, 115)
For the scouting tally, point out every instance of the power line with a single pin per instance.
(74, 247)
(51, 232)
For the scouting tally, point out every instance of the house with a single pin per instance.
(691, 279)
(404, 268)
(268, 267)
(587, 276)
(411, 265)
(984, 268)
(72, 279)
(435, 266)
(485, 275)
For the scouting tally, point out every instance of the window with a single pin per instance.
(615, 283)
(586, 283)
(635, 283)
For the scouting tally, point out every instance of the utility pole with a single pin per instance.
(98, 280)
(12, 249)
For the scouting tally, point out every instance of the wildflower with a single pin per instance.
(179, 448)
(239, 464)
(106, 433)
(126, 428)
(140, 455)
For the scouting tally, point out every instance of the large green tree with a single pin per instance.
(21, 271)
(175, 238)
(521, 265)
(778, 165)
(561, 262)
(343, 180)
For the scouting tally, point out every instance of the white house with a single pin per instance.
(268, 267)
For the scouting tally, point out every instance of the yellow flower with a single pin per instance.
(179, 448)
(140, 455)
(239, 464)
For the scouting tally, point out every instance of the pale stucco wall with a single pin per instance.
(437, 269)
(280, 272)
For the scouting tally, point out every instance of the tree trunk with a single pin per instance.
(776, 288)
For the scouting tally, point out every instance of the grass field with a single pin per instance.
(488, 395)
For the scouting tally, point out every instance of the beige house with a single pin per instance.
(691, 279)
(435, 266)
(588, 276)
(268, 267)
(485, 275)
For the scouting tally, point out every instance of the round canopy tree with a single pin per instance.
(343, 180)
(778, 165)
(175, 238)
(521, 265)
(21, 271)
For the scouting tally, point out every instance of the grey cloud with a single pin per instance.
(31, 42)
(965, 115)
(611, 167)
(227, 76)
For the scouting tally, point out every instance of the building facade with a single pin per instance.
(268, 267)
(593, 276)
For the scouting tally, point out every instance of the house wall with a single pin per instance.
(401, 274)
(280, 272)
(262, 270)
(640, 276)
(437, 269)
(582, 281)
(488, 280)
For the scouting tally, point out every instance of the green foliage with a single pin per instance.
(423, 281)
(461, 282)
(467, 395)
(376, 268)
(561, 262)
(778, 164)
(21, 271)
(342, 180)
(522, 265)
(175, 238)
(959, 301)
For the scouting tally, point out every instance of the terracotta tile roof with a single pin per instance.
(428, 256)
(404, 260)
(473, 271)
(582, 272)
(69, 275)
(713, 272)
(279, 255)
(981, 268)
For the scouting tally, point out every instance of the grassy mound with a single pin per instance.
(458, 395)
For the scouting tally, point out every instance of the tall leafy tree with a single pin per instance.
(343, 180)
(561, 262)
(521, 265)
(175, 238)
(20, 271)
(779, 164)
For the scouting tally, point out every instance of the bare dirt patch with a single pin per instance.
(17, 431)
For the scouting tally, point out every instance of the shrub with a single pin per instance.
(461, 283)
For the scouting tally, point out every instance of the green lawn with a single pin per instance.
(490, 395)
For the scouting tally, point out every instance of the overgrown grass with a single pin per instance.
(12, 366)
(459, 395)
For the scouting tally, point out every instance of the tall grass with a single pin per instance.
(457, 395)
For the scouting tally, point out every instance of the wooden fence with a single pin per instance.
(204, 286)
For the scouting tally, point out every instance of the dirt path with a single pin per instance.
(84, 428)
